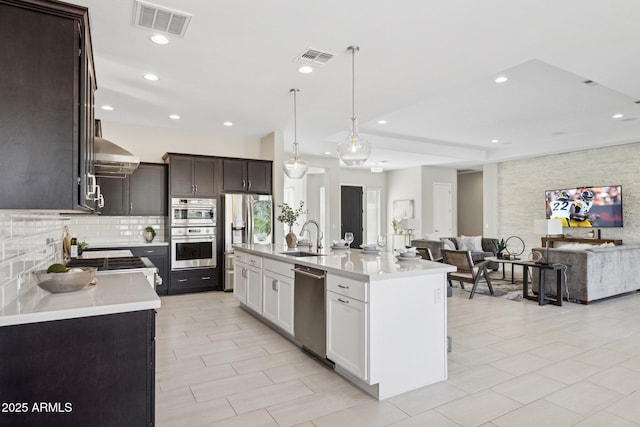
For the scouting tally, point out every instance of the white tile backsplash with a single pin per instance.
(31, 240)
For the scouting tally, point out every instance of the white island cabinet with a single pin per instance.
(386, 320)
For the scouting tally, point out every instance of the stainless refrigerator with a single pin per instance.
(248, 218)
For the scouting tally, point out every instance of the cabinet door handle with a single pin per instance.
(343, 301)
(206, 278)
(243, 184)
(274, 285)
(131, 206)
(193, 188)
(196, 188)
(343, 286)
(182, 280)
(149, 252)
(249, 186)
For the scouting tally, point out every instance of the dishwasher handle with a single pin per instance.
(307, 273)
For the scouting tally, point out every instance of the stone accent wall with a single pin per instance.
(522, 185)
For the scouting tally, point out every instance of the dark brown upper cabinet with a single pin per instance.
(249, 176)
(191, 176)
(143, 193)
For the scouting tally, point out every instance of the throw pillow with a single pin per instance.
(472, 243)
(433, 237)
(448, 244)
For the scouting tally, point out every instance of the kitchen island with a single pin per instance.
(80, 358)
(385, 319)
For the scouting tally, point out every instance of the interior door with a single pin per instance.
(351, 213)
(442, 211)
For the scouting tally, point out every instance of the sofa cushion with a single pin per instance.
(471, 243)
(448, 244)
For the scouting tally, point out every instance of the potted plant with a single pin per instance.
(501, 247)
(149, 234)
(289, 216)
(82, 246)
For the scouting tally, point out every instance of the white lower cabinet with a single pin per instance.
(348, 326)
(240, 281)
(254, 288)
(277, 290)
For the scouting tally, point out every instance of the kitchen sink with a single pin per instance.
(301, 253)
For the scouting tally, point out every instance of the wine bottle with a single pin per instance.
(74, 246)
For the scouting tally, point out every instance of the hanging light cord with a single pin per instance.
(295, 117)
(353, 81)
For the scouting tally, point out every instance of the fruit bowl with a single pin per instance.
(73, 280)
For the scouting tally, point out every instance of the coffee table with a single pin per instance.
(502, 261)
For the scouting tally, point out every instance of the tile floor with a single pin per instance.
(513, 364)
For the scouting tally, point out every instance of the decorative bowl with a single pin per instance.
(73, 280)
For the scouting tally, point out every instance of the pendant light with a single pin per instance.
(354, 150)
(295, 167)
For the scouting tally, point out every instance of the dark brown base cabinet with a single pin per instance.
(186, 281)
(159, 256)
(91, 371)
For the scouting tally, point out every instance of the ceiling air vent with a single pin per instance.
(162, 19)
(314, 57)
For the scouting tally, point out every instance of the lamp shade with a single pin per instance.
(547, 227)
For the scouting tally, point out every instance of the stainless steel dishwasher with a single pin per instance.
(309, 316)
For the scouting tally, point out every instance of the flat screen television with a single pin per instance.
(604, 210)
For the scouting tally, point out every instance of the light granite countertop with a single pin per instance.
(353, 262)
(113, 293)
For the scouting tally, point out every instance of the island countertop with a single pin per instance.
(353, 262)
(113, 293)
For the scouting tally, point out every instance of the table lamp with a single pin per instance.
(409, 225)
(547, 227)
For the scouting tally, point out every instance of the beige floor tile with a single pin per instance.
(324, 380)
(627, 408)
(259, 418)
(605, 419)
(426, 398)
(202, 349)
(515, 345)
(528, 388)
(584, 398)
(229, 386)
(295, 370)
(556, 351)
(538, 414)
(478, 378)
(569, 371)
(196, 415)
(632, 363)
(619, 379)
(171, 380)
(308, 408)
(520, 364)
(478, 408)
(371, 414)
(602, 357)
(267, 395)
(475, 357)
(629, 345)
(279, 346)
(177, 397)
(426, 419)
(269, 361)
(211, 330)
(234, 355)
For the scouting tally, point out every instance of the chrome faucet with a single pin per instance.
(318, 235)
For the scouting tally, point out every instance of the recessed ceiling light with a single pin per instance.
(151, 77)
(228, 124)
(382, 122)
(305, 69)
(328, 153)
(501, 79)
(495, 141)
(617, 116)
(107, 107)
(159, 39)
(376, 169)
(174, 117)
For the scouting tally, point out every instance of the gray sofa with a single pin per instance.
(489, 246)
(593, 273)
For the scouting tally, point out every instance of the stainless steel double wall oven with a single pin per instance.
(193, 233)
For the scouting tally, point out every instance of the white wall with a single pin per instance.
(404, 184)
(430, 176)
(150, 143)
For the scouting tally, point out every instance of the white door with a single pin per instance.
(442, 210)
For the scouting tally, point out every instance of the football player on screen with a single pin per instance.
(581, 216)
(562, 208)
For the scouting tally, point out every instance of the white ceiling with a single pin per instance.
(427, 67)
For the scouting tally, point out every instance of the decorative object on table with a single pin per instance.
(547, 227)
(59, 279)
(382, 240)
(354, 150)
(66, 243)
(501, 247)
(514, 246)
(394, 224)
(149, 234)
(289, 216)
(348, 237)
(295, 167)
(408, 225)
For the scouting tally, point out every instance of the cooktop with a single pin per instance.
(116, 263)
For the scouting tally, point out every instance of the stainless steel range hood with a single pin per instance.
(111, 160)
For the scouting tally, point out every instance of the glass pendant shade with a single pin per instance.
(295, 167)
(354, 150)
